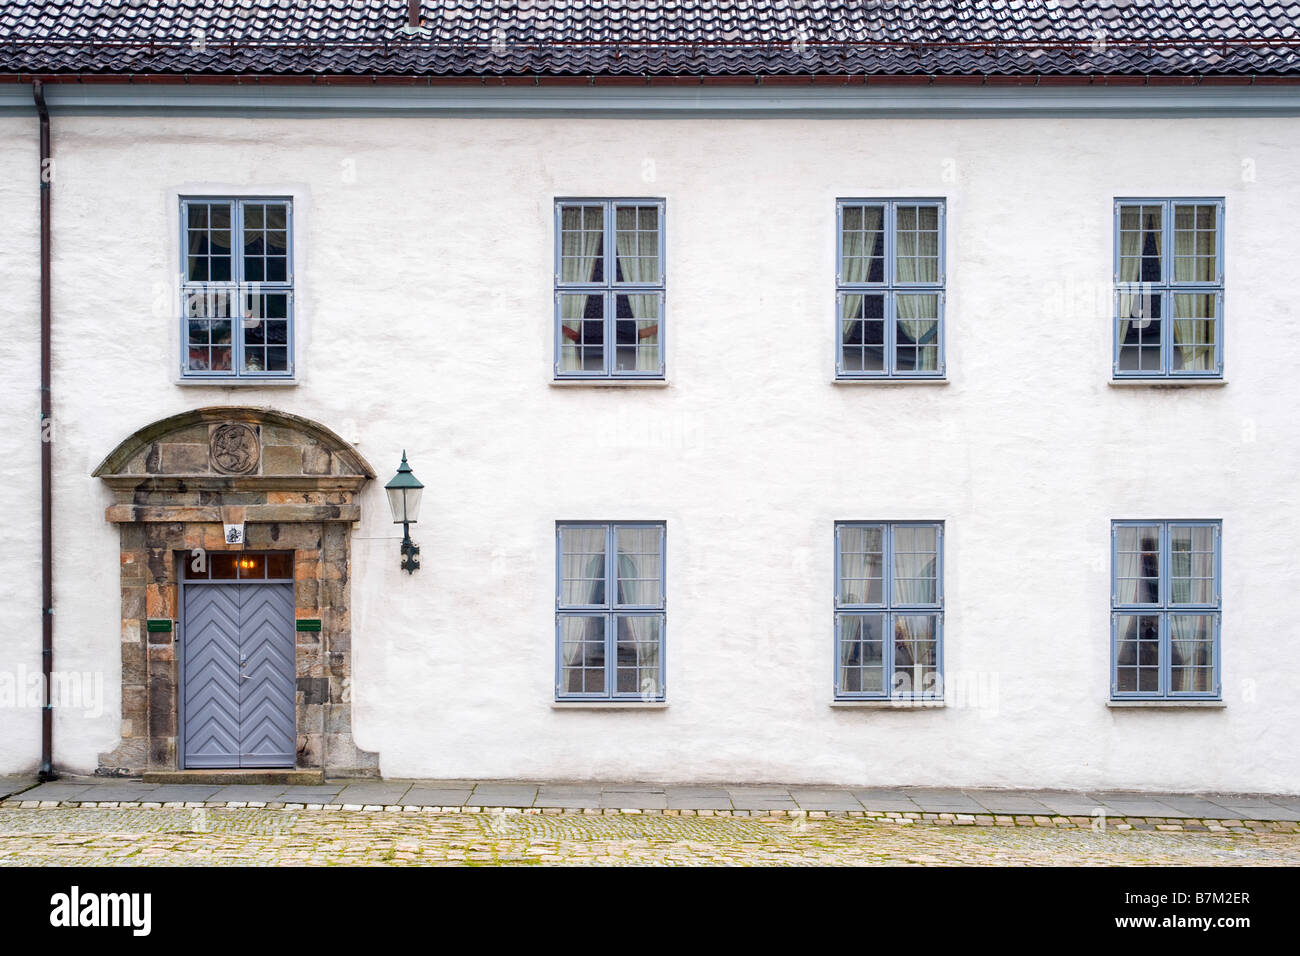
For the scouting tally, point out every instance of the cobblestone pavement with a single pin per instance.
(269, 837)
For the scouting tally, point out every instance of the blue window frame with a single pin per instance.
(610, 611)
(889, 288)
(888, 610)
(1168, 288)
(1165, 609)
(609, 288)
(237, 288)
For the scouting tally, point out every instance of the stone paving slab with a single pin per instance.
(1136, 805)
(1263, 813)
(746, 799)
(761, 798)
(1196, 807)
(435, 797)
(697, 798)
(943, 801)
(371, 794)
(56, 791)
(14, 783)
(1001, 801)
(187, 793)
(1066, 802)
(568, 797)
(310, 795)
(808, 799)
(634, 800)
(503, 795)
(885, 800)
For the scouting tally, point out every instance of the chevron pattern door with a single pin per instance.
(238, 680)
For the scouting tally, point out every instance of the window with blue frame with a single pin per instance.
(610, 610)
(1165, 609)
(888, 610)
(889, 285)
(237, 288)
(609, 288)
(1168, 288)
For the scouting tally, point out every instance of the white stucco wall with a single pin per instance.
(425, 309)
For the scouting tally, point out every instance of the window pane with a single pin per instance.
(916, 244)
(265, 324)
(640, 566)
(582, 654)
(1137, 564)
(1196, 243)
(208, 331)
(636, 332)
(636, 237)
(1191, 653)
(1141, 241)
(1137, 653)
(862, 565)
(266, 244)
(917, 336)
(1139, 330)
(915, 565)
(251, 566)
(916, 655)
(279, 564)
(862, 244)
(637, 655)
(582, 333)
(222, 565)
(862, 330)
(582, 566)
(1191, 565)
(862, 653)
(582, 244)
(1195, 332)
(208, 242)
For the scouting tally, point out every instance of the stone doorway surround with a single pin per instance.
(293, 484)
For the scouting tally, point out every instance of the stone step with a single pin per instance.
(223, 778)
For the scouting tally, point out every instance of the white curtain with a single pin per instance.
(1195, 336)
(640, 265)
(1130, 270)
(917, 319)
(1128, 563)
(582, 569)
(856, 257)
(644, 632)
(579, 250)
(1191, 645)
(861, 550)
(913, 653)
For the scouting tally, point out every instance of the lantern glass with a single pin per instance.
(404, 504)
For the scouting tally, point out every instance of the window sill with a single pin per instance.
(889, 704)
(238, 382)
(1183, 704)
(608, 705)
(889, 381)
(610, 383)
(1167, 382)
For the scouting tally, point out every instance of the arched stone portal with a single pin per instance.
(292, 484)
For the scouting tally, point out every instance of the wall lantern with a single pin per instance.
(404, 493)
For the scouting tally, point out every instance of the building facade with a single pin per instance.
(874, 433)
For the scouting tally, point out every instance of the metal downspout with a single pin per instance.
(47, 523)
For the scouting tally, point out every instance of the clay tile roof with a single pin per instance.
(639, 38)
